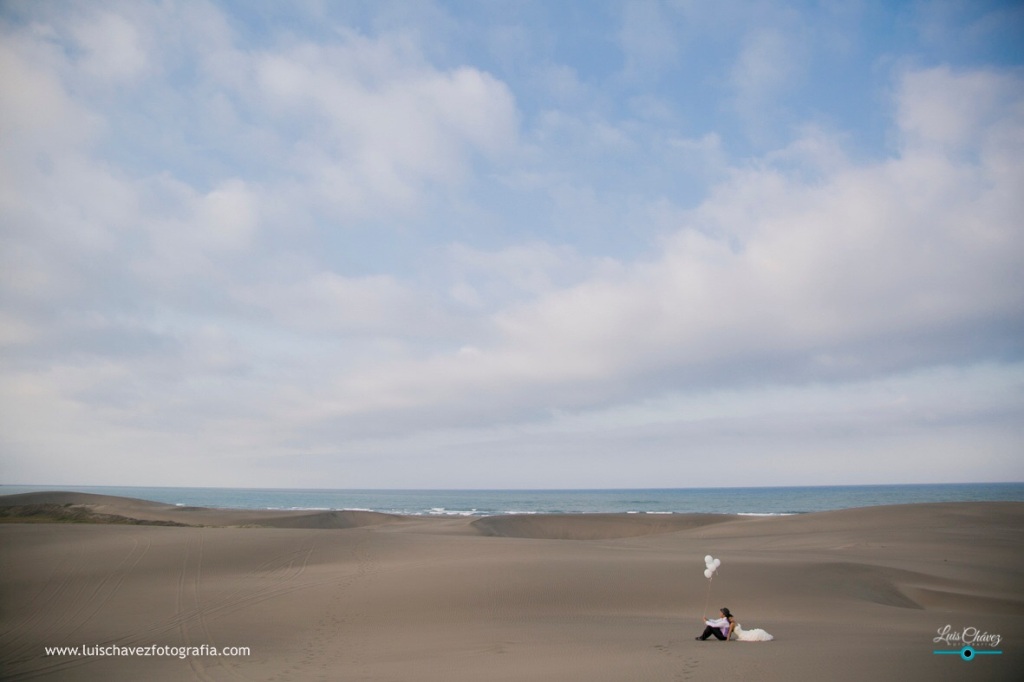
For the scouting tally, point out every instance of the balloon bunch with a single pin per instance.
(711, 565)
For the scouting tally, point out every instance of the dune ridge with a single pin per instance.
(591, 526)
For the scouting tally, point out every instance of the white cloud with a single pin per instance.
(490, 280)
(947, 112)
(42, 117)
(383, 126)
(871, 268)
(227, 216)
(326, 302)
(112, 49)
(766, 67)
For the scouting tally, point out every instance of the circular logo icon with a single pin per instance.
(967, 653)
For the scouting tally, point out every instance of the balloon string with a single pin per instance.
(707, 600)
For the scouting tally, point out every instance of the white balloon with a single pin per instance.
(708, 559)
(717, 562)
(708, 573)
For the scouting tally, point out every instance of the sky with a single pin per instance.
(511, 244)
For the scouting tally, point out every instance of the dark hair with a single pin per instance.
(726, 612)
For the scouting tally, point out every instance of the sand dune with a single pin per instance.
(849, 595)
(591, 526)
(86, 507)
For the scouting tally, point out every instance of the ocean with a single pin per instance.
(755, 501)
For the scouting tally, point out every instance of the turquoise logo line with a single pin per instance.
(967, 653)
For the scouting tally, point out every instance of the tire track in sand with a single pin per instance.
(83, 605)
(188, 579)
(327, 651)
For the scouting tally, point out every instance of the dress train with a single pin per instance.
(755, 635)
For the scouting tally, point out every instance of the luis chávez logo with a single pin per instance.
(969, 642)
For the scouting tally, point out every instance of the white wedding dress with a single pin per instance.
(755, 635)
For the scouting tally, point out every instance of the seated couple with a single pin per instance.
(726, 627)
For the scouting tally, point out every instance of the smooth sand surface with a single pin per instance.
(849, 595)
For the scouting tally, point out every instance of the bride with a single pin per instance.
(755, 635)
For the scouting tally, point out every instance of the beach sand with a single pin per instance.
(849, 595)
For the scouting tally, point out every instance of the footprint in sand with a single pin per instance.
(688, 670)
(687, 667)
